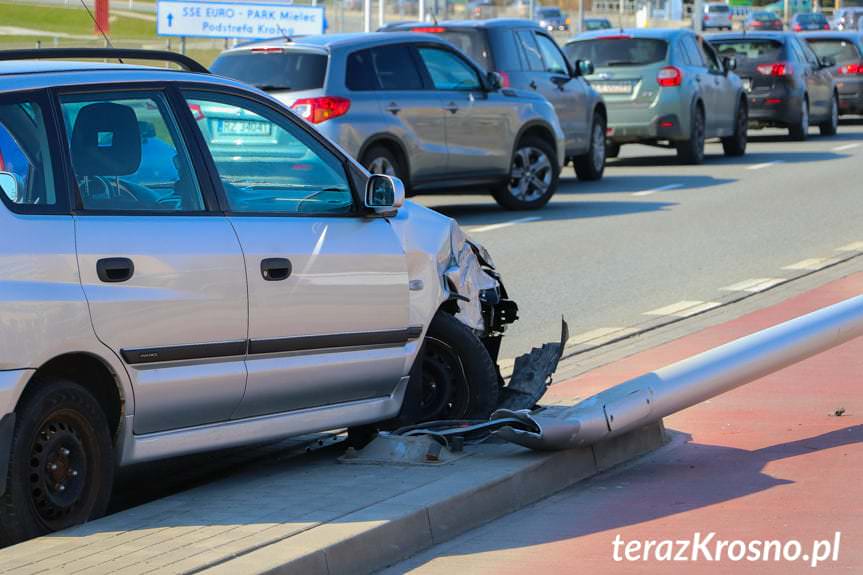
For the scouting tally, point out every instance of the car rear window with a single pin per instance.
(840, 50)
(749, 49)
(764, 16)
(472, 42)
(274, 69)
(718, 9)
(618, 51)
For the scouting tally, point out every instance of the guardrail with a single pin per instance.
(655, 395)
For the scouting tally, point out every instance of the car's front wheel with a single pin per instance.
(591, 165)
(61, 463)
(533, 177)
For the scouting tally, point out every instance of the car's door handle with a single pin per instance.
(276, 269)
(532, 84)
(451, 107)
(393, 108)
(115, 270)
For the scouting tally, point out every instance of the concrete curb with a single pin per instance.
(387, 532)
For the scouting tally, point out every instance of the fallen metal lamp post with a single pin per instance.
(652, 396)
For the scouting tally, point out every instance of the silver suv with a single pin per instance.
(413, 106)
(187, 266)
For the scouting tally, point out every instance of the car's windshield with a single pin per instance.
(842, 51)
(274, 70)
(764, 16)
(549, 12)
(718, 9)
(594, 24)
(744, 50)
(618, 51)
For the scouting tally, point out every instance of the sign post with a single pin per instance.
(103, 22)
(193, 19)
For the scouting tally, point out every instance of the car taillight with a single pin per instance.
(826, 26)
(851, 69)
(776, 69)
(429, 29)
(669, 77)
(197, 113)
(504, 80)
(317, 110)
(757, 24)
(268, 50)
(797, 28)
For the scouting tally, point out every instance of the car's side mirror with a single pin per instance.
(384, 194)
(828, 61)
(494, 81)
(729, 63)
(9, 185)
(583, 68)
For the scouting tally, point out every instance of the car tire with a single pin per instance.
(800, 131)
(831, 126)
(380, 160)
(590, 166)
(520, 194)
(735, 144)
(612, 150)
(61, 468)
(454, 376)
(691, 151)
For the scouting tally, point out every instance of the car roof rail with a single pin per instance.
(181, 60)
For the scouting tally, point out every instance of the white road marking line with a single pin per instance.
(812, 264)
(659, 189)
(853, 247)
(502, 225)
(684, 308)
(764, 165)
(600, 335)
(846, 147)
(754, 285)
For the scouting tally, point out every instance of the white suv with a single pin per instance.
(171, 282)
(717, 15)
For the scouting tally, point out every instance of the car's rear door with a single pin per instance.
(328, 286)
(162, 271)
(479, 129)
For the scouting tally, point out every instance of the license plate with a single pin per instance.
(244, 128)
(613, 87)
(747, 84)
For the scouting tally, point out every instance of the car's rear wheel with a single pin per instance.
(454, 376)
(590, 166)
(61, 464)
(831, 126)
(691, 151)
(533, 176)
(800, 130)
(735, 144)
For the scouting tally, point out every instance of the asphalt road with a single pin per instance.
(654, 234)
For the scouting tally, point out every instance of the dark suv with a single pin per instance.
(527, 58)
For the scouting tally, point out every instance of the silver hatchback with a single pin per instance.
(413, 106)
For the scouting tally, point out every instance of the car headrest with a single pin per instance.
(106, 141)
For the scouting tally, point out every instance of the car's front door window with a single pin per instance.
(267, 163)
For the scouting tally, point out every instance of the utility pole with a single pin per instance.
(580, 16)
(787, 10)
(103, 22)
(367, 15)
(380, 13)
(698, 15)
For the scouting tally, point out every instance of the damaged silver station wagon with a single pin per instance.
(173, 282)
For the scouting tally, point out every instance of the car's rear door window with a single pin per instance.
(843, 51)
(396, 68)
(266, 162)
(274, 68)
(623, 51)
(127, 153)
(26, 157)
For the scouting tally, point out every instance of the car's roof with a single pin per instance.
(853, 36)
(659, 33)
(766, 35)
(10, 67)
(490, 23)
(329, 41)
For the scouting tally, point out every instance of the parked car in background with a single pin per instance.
(233, 302)
(846, 49)
(807, 22)
(590, 24)
(763, 20)
(529, 60)
(788, 85)
(413, 106)
(717, 15)
(552, 19)
(664, 87)
(847, 19)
